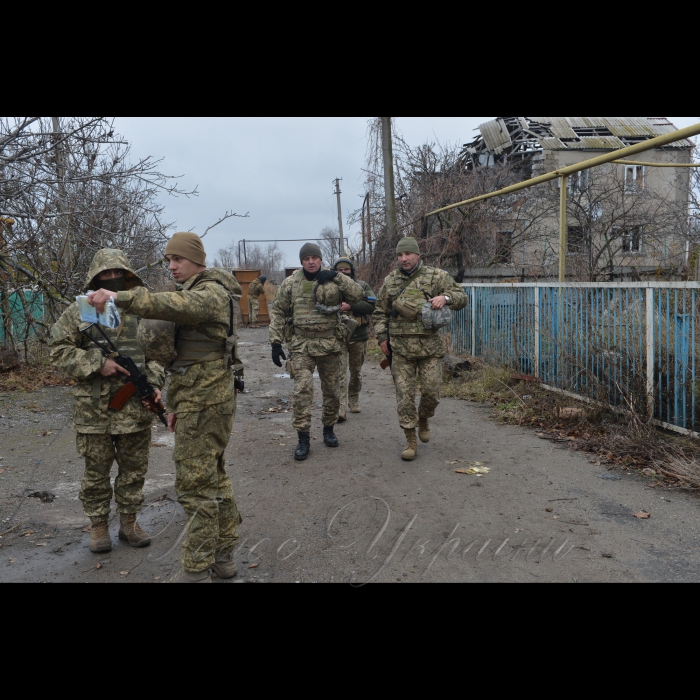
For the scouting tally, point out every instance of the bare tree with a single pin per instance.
(330, 244)
(68, 187)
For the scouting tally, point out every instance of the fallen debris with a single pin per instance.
(43, 496)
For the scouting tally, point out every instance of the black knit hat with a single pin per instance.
(310, 250)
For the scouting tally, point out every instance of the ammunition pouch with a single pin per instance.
(407, 309)
(346, 329)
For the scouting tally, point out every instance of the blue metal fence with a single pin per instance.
(633, 346)
(17, 310)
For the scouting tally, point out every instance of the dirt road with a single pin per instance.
(353, 515)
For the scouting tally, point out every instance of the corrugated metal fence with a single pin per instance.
(629, 345)
(16, 310)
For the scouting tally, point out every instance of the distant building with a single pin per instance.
(625, 221)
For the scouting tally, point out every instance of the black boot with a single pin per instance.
(304, 448)
(329, 437)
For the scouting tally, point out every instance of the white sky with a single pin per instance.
(280, 169)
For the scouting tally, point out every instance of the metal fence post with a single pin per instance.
(650, 353)
(538, 331)
(473, 321)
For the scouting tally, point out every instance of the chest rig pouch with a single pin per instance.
(309, 322)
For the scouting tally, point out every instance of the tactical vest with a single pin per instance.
(194, 348)
(309, 322)
(419, 290)
(125, 341)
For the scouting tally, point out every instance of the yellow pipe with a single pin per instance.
(658, 142)
(563, 228)
(657, 165)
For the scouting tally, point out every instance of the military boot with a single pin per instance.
(409, 454)
(304, 447)
(225, 567)
(354, 404)
(424, 430)
(131, 532)
(100, 541)
(342, 417)
(329, 438)
(187, 577)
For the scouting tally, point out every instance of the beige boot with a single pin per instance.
(100, 541)
(187, 577)
(131, 532)
(354, 405)
(225, 567)
(342, 417)
(409, 454)
(424, 430)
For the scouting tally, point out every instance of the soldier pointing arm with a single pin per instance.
(202, 398)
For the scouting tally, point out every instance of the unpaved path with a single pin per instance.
(356, 514)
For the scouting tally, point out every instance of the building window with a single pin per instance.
(504, 251)
(634, 178)
(579, 182)
(577, 241)
(631, 240)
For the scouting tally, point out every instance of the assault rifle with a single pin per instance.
(389, 361)
(137, 382)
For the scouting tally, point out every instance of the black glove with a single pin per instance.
(326, 276)
(278, 355)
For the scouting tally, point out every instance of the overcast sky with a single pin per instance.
(280, 169)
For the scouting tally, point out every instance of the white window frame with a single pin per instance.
(635, 178)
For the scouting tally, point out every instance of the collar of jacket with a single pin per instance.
(310, 277)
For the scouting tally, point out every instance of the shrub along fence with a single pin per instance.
(632, 346)
(21, 312)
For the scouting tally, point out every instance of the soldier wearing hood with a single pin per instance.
(255, 291)
(104, 435)
(201, 398)
(355, 351)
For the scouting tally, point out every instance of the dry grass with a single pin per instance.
(28, 378)
(611, 439)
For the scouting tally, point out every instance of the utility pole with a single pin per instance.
(341, 246)
(389, 187)
(66, 250)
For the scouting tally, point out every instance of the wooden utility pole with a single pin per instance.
(389, 186)
(341, 245)
(66, 249)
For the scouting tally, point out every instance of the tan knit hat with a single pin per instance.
(189, 246)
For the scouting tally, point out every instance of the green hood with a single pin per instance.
(111, 260)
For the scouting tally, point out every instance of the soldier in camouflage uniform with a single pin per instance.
(255, 291)
(314, 340)
(202, 399)
(417, 352)
(104, 435)
(355, 351)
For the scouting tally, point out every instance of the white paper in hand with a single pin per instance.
(88, 314)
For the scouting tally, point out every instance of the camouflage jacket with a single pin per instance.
(256, 289)
(81, 360)
(409, 339)
(201, 305)
(283, 311)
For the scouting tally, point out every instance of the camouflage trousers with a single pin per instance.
(253, 310)
(353, 359)
(303, 367)
(408, 375)
(100, 451)
(204, 488)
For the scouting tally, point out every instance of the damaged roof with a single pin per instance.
(523, 136)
